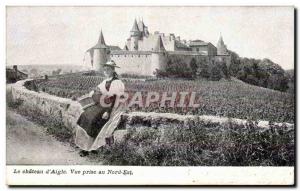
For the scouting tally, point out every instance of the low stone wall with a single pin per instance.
(63, 109)
(153, 119)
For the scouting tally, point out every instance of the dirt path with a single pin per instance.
(28, 143)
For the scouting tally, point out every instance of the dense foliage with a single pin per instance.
(264, 73)
(177, 67)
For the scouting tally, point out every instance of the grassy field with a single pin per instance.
(229, 98)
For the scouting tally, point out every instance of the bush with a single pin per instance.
(204, 145)
(264, 73)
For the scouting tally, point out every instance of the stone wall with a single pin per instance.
(138, 63)
(48, 105)
(141, 62)
(157, 120)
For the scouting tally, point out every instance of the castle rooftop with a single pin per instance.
(101, 42)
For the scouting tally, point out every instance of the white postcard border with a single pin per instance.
(137, 175)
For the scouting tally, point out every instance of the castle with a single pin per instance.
(144, 53)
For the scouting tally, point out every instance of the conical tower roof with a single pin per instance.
(135, 27)
(101, 42)
(141, 25)
(221, 42)
(159, 46)
(101, 39)
(221, 47)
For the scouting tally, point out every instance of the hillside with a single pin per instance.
(229, 98)
(259, 72)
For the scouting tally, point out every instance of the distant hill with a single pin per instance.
(41, 70)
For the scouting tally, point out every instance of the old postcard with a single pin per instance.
(150, 95)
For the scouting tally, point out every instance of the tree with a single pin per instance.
(235, 65)
(203, 69)
(194, 67)
(215, 72)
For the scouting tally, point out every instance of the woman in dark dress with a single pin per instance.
(96, 116)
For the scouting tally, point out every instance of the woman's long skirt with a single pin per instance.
(91, 120)
(91, 131)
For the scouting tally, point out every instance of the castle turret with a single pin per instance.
(223, 55)
(99, 53)
(143, 28)
(221, 47)
(158, 61)
(134, 36)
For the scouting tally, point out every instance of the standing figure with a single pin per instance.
(94, 117)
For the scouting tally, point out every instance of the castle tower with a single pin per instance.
(99, 53)
(143, 28)
(221, 47)
(134, 36)
(158, 59)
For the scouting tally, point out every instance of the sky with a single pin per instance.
(61, 35)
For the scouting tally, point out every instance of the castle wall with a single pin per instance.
(168, 43)
(158, 61)
(212, 50)
(208, 49)
(132, 62)
(147, 43)
(146, 62)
